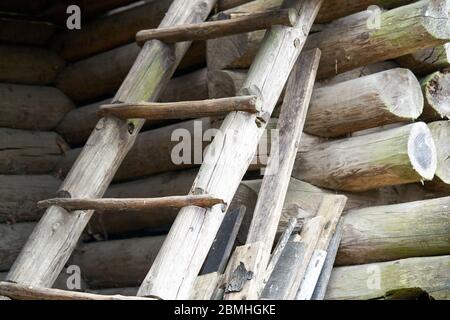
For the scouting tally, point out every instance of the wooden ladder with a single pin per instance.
(191, 236)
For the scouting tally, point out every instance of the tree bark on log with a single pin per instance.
(78, 124)
(103, 73)
(382, 98)
(240, 136)
(109, 31)
(32, 107)
(18, 32)
(29, 65)
(398, 231)
(397, 156)
(372, 281)
(58, 231)
(351, 42)
(436, 91)
(426, 61)
(30, 152)
(20, 193)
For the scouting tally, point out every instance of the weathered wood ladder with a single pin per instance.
(225, 163)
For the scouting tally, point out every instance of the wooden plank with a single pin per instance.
(216, 29)
(23, 292)
(330, 209)
(205, 285)
(182, 109)
(324, 278)
(227, 160)
(120, 204)
(223, 244)
(59, 231)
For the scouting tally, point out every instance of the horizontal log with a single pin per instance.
(18, 32)
(372, 281)
(122, 204)
(109, 31)
(32, 107)
(182, 109)
(117, 263)
(397, 156)
(401, 31)
(30, 152)
(102, 74)
(382, 98)
(330, 10)
(428, 60)
(22, 292)
(436, 92)
(78, 124)
(13, 237)
(220, 28)
(29, 65)
(153, 151)
(398, 231)
(20, 193)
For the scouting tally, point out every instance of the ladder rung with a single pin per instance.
(121, 204)
(221, 28)
(183, 109)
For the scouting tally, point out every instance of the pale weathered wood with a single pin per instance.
(58, 231)
(382, 98)
(275, 183)
(77, 125)
(30, 152)
(28, 65)
(182, 109)
(32, 107)
(226, 26)
(18, 31)
(428, 60)
(23, 292)
(287, 275)
(403, 30)
(397, 156)
(374, 280)
(331, 9)
(324, 278)
(109, 31)
(242, 268)
(227, 160)
(330, 209)
(204, 286)
(268, 209)
(440, 131)
(102, 74)
(121, 204)
(436, 91)
(396, 231)
(19, 194)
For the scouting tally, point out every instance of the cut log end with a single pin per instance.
(422, 151)
(436, 89)
(436, 19)
(408, 104)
